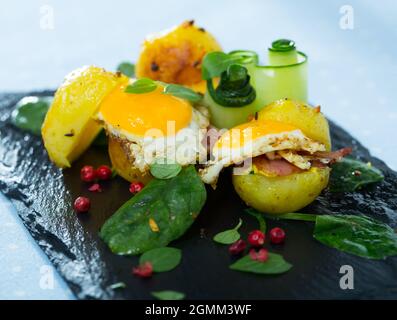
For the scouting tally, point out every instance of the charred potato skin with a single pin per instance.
(176, 56)
(121, 164)
(276, 195)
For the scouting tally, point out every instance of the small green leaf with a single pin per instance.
(274, 265)
(127, 69)
(228, 236)
(168, 295)
(349, 175)
(356, 235)
(30, 112)
(118, 285)
(143, 85)
(182, 92)
(214, 63)
(162, 259)
(165, 171)
(259, 216)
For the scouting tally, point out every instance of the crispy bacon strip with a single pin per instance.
(278, 167)
(333, 156)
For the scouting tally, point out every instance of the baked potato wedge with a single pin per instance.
(176, 56)
(69, 127)
(122, 165)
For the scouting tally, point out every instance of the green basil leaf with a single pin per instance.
(182, 92)
(357, 235)
(171, 204)
(228, 236)
(349, 175)
(214, 63)
(162, 259)
(274, 265)
(127, 69)
(260, 217)
(143, 85)
(168, 295)
(164, 170)
(30, 112)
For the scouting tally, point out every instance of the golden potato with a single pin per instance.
(310, 120)
(176, 56)
(122, 164)
(69, 127)
(275, 195)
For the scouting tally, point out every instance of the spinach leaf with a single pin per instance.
(274, 265)
(260, 217)
(172, 204)
(357, 235)
(165, 171)
(229, 236)
(143, 85)
(168, 295)
(162, 259)
(182, 92)
(349, 175)
(30, 112)
(127, 69)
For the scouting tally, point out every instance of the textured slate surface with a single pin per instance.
(43, 196)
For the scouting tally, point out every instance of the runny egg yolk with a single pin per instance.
(238, 136)
(146, 113)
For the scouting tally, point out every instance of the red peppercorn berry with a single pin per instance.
(96, 187)
(144, 270)
(136, 187)
(103, 172)
(277, 235)
(87, 174)
(256, 238)
(237, 247)
(82, 204)
(262, 255)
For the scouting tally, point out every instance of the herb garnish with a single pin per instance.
(146, 85)
(349, 175)
(164, 170)
(274, 265)
(118, 285)
(229, 236)
(127, 69)
(162, 259)
(358, 235)
(30, 112)
(168, 295)
(173, 204)
(259, 217)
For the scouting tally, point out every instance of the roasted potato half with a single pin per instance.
(176, 56)
(122, 164)
(277, 195)
(69, 126)
(282, 194)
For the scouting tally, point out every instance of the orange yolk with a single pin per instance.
(250, 131)
(139, 113)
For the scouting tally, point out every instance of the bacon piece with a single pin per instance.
(333, 156)
(278, 167)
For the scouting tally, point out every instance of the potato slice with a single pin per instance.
(122, 165)
(275, 195)
(176, 55)
(69, 127)
(310, 120)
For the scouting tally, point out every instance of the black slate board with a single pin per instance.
(43, 194)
